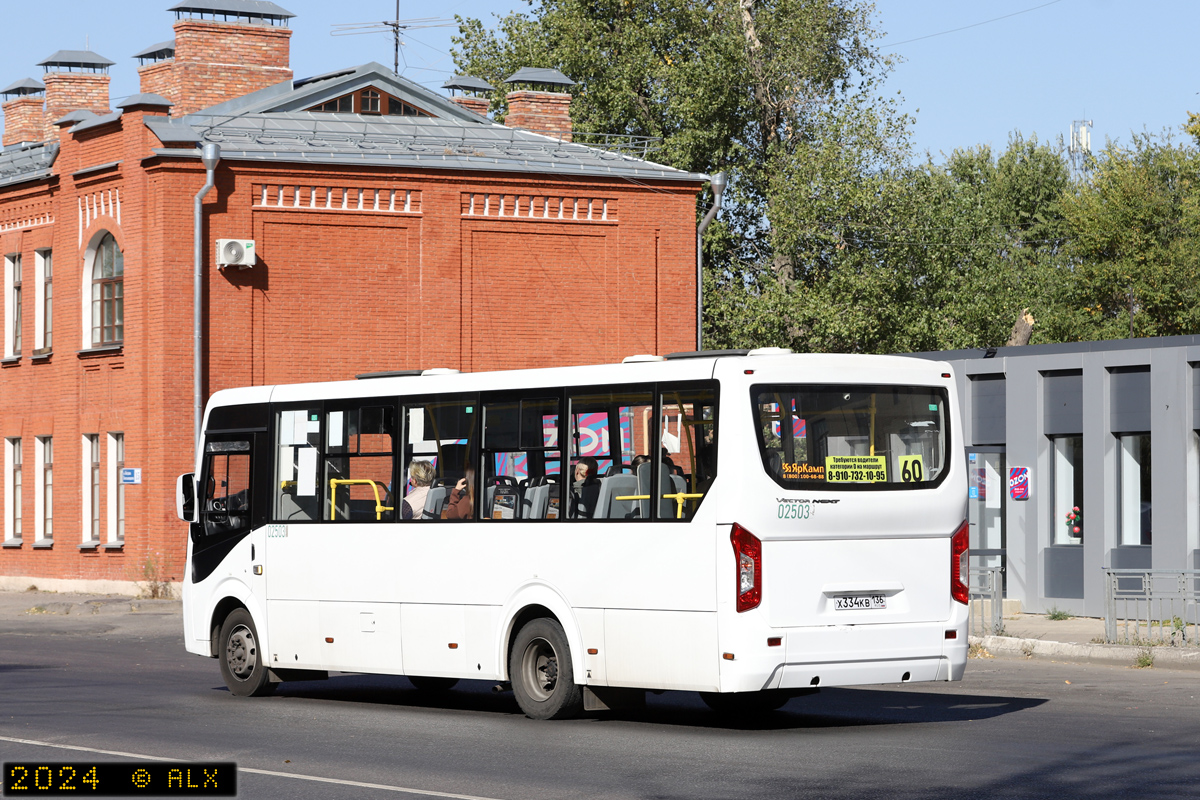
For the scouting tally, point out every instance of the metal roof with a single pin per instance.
(78, 115)
(97, 122)
(157, 51)
(421, 142)
(168, 130)
(543, 75)
(145, 99)
(250, 9)
(76, 58)
(1060, 348)
(24, 86)
(27, 163)
(468, 83)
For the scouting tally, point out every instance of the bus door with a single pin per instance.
(225, 541)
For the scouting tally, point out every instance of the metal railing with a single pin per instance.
(987, 602)
(1152, 606)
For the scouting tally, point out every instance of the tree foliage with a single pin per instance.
(830, 237)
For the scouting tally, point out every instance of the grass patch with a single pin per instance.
(977, 650)
(1144, 658)
(1058, 614)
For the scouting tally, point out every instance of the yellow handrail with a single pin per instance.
(336, 482)
(679, 497)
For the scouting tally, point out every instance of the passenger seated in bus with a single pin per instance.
(420, 473)
(585, 490)
(462, 498)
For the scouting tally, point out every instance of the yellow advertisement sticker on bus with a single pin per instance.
(803, 472)
(855, 469)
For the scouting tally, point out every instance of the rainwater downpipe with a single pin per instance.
(210, 154)
(717, 182)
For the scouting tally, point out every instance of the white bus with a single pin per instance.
(754, 525)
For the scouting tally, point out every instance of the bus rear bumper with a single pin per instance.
(852, 655)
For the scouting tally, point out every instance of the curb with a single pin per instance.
(1123, 655)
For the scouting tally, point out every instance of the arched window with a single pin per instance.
(108, 293)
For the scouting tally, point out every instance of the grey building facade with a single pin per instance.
(1109, 435)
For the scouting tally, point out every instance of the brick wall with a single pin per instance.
(566, 270)
(159, 78)
(71, 91)
(544, 112)
(218, 61)
(24, 120)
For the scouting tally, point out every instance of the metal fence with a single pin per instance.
(1152, 606)
(987, 602)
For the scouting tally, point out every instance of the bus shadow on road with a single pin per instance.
(830, 708)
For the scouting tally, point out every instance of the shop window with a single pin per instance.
(1067, 478)
(1134, 477)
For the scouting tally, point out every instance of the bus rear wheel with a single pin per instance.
(540, 668)
(428, 684)
(243, 665)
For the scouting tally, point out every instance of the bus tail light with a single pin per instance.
(959, 588)
(747, 550)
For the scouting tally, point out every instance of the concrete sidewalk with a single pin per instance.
(1079, 639)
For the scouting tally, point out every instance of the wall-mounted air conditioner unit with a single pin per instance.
(235, 253)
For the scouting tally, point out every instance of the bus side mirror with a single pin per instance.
(185, 497)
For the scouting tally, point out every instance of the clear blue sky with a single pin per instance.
(1125, 65)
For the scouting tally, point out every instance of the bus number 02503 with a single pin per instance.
(794, 511)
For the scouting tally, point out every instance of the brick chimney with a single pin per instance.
(75, 80)
(24, 117)
(538, 108)
(476, 86)
(215, 60)
(156, 65)
(479, 105)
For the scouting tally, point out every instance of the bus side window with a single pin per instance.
(442, 432)
(606, 432)
(359, 458)
(297, 444)
(689, 450)
(226, 503)
(521, 459)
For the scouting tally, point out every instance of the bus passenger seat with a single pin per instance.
(612, 487)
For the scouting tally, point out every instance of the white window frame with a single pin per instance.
(40, 305)
(43, 500)
(12, 498)
(115, 531)
(12, 263)
(89, 511)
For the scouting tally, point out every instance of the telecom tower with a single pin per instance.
(1081, 143)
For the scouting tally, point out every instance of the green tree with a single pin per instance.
(781, 93)
(1134, 230)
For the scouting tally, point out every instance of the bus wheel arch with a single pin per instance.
(540, 601)
(221, 611)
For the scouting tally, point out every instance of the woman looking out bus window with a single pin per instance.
(420, 472)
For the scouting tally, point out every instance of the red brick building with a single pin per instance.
(393, 229)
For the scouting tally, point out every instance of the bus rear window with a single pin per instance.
(852, 437)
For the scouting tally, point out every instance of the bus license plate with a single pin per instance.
(866, 602)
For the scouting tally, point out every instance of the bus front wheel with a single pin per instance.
(243, 664)
(541, 672)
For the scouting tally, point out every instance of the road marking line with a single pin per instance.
(272, 773)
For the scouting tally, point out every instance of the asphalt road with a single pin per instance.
(121, 686)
